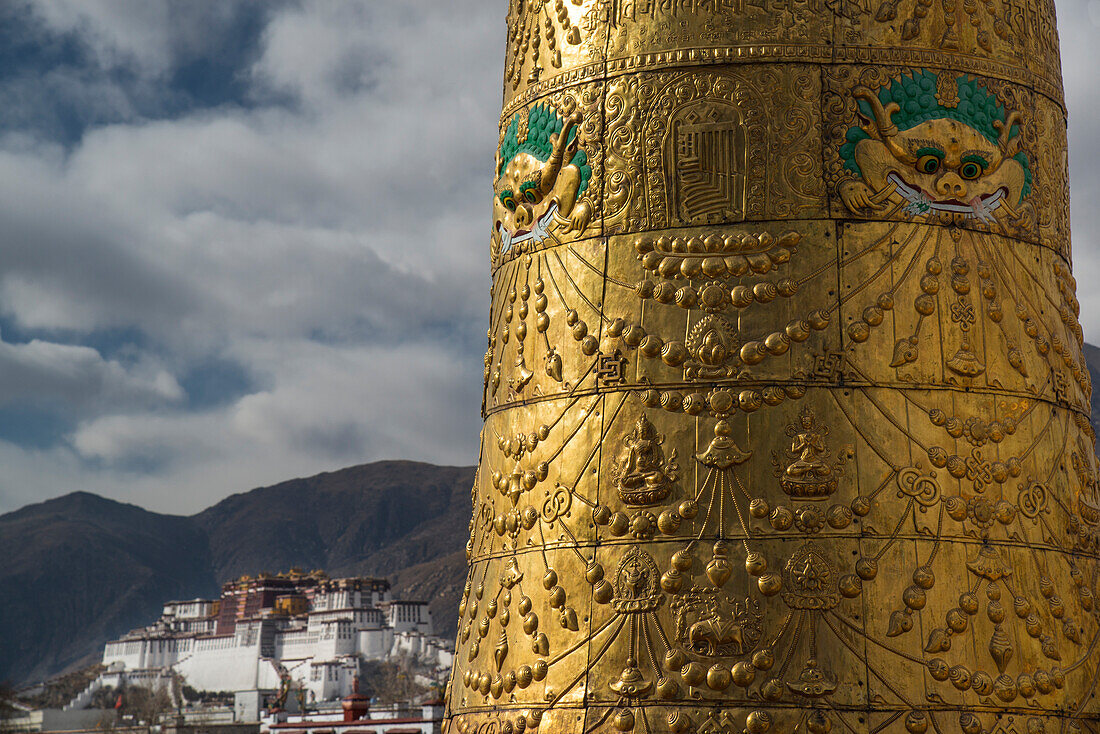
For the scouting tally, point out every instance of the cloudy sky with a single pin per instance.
(246, 241)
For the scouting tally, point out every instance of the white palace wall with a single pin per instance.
(320, 649)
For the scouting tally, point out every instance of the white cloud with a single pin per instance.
(327, 236)
(80, 378)
(309, 54)
(146, 37)
(122, 32)
(260, 219)
(326, 407)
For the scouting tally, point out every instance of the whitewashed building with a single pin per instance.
(426, 718)
(306, 629)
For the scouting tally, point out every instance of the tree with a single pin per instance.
(389, 681)
(145, 707)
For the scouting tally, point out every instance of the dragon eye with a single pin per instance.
(529, 191)
(508, 200)
(928, 163)
(970, 170)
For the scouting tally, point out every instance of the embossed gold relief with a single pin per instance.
(940, 147)
(1018, 33)
(786, 416)
(807, 470)
(1051, 175)
(966, 310)
(700, 304)
(548, 175)
(686, 149)
(545, 320)
(541, 174)
(668, 585)
(550, 39)
(653, 26)
(643, 476)
(553, 44)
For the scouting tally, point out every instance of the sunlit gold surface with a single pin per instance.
(785, 422)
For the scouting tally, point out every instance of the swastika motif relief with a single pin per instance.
(786, 413)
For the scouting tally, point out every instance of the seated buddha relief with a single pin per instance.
(642, 475)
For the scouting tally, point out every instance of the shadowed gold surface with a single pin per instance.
(786, 416)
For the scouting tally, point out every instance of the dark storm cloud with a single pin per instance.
(76, 64)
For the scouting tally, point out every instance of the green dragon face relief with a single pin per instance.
(940, 146)
(541, 175)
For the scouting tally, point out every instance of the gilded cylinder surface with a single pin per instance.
(786, 415)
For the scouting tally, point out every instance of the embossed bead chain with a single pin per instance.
(786, 414)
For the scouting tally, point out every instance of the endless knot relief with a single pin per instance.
(786, 411)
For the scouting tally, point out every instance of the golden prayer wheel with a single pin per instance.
(786, 415)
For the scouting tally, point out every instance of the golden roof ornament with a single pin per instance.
(818, 254)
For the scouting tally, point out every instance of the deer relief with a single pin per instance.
(719, 629)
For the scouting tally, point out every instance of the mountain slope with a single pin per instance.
(438, 582)
(1092, 361)
(401, 520)
(80, 569)
(368, 519)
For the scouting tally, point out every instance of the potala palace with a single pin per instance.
(302, 630)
